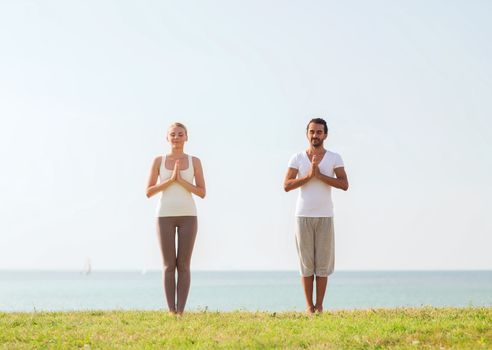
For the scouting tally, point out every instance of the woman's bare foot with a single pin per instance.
(310, 310)
(319, 309)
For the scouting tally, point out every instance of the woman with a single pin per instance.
(176, 210)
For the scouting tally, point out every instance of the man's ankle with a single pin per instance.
(311, 309)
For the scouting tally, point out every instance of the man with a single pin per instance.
(315, 171)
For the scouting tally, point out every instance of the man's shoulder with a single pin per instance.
(334, 159)
(298, 154)
(332, 154)
(295, 160)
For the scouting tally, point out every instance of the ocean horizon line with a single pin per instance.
(241, 270)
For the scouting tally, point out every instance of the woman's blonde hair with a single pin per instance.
(180, 125)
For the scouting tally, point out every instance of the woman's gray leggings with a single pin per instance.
(186, 227)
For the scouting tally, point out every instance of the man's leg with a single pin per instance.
(305, 250)
(307, 284)
(324, 257)
(321, 283)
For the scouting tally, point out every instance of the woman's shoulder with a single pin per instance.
(195, 159)
(158, 160)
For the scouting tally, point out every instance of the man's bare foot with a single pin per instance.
(319, 309)
(310, 310)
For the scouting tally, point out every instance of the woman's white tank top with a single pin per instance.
(176, 200)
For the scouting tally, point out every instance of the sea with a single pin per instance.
(274, 291)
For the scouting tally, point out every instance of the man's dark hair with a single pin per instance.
(318, 121)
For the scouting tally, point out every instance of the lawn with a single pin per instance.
(402, 328)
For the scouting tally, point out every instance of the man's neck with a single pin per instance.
(316, 150)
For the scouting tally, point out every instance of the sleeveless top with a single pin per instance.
(175, 199)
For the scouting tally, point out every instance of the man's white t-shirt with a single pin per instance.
(314, 198)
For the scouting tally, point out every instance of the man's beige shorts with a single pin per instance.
(315, 245)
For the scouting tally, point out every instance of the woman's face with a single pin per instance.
(176, 136)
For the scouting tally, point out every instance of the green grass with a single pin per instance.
(406, 328)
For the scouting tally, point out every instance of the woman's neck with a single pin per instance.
(177, 152)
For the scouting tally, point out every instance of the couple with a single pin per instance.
(315, 171)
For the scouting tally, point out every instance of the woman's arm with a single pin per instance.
(152, 188)
(199, 187)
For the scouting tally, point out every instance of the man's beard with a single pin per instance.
(316, 143)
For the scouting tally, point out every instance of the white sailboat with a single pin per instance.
(87, 267)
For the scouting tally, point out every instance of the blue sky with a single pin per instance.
(88, 89)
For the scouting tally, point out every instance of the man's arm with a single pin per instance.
(291, 182)
(341, 180)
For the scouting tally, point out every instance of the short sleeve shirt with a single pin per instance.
(314, 199)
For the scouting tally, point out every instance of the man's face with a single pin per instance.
(316, 134)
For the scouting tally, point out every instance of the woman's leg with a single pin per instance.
(187, 229)
(166, 232)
